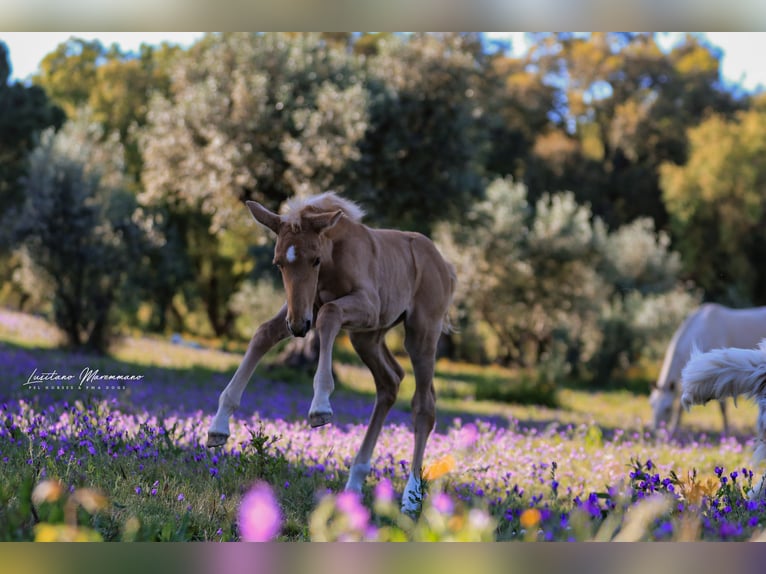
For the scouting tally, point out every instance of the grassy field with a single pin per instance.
(129, 463)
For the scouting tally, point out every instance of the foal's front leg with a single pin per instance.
(353, 311)
(267, 335)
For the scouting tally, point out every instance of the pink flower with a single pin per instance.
(350, 504)
(259, 516)
(468, 435)
(443, 503)
(384, 492)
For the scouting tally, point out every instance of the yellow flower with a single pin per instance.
(693, 489)
(65, 533)
(439, 468)
(46, 533)
(530, 518)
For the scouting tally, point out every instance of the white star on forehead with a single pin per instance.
(290, 253)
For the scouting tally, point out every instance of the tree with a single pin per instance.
(421, 158)
(241, 107)
(248, 116)
(622, 106)
(555, 287)
(78, 228)
(25, 111)
(516, 103)
(717, 200)
(70, 72)
(115, 85)
(532, 268)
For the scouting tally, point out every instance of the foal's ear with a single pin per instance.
(264, 216)
(322, 222)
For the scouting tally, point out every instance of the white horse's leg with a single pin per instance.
(675, 419)
(372, 349)
(267, 335)
(722, 404)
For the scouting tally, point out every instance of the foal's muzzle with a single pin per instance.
(300, 328)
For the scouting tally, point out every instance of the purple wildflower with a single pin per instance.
(718, 470)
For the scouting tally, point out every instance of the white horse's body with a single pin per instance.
(711, 326)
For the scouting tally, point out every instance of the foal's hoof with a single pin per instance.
(319, 419)
(216, 439)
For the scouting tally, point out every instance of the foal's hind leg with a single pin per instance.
(420, 342)
(267, 335)
(371, 348)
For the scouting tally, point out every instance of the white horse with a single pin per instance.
(711, 326)
(729, 373)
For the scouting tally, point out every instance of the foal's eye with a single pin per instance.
(316, 262)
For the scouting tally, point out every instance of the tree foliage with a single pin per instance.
(621, 108)
(115, 85)
(552, 284)
(24, 112)
(636, 168)
(421, 158)
(248, 116)
(718, 203)
(252, 116)
(77, 228)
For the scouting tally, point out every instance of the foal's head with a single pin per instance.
(298, 255)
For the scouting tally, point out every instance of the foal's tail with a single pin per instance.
(724, 373)
(447, 326)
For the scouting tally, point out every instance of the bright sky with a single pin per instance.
(742, 51)
(27, 49)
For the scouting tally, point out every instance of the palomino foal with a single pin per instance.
(340, 274)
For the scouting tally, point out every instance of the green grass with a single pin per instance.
(286, 456)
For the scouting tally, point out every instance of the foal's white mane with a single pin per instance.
(324, 202)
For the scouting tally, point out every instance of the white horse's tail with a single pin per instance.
(724, 373)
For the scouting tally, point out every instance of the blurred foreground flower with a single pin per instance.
(91, 500)
(259, 516)
(53, 502)
(47, 491)
(45, 532)
(439, 468)
(530, 518)
(342, 518)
